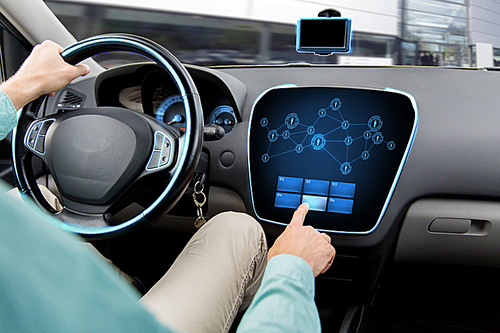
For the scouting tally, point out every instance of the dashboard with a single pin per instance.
(398, 164)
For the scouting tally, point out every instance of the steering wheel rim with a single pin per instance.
(189, 150)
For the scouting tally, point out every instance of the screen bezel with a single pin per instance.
(404, 158)
(322, 49)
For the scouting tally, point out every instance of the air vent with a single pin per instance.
(70, 100)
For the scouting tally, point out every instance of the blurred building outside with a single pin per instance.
(457, 33)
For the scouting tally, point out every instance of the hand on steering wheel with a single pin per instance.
(43, 72)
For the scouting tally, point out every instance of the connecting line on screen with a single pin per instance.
(324, 142)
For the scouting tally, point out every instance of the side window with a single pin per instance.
(13, 53)
(13, 50)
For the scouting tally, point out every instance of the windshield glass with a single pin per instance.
(392, 32)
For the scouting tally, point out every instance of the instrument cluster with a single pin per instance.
(160, 99)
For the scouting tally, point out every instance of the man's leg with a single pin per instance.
(217, 273)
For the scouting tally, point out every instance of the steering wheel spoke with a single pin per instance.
(83, 221)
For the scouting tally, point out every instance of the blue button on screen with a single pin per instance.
(345, 190)
(287, 200)
(343, 206)
(319, 187)
(290, 184)
(315, 203)
(321, 195)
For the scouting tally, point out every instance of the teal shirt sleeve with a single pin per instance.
(51, 282)
(8, 115)
(285, 299)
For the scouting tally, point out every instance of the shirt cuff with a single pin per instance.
(293, 267)
(8, 115)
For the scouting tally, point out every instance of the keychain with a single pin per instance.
(198, 191)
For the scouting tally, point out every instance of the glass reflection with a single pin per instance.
(435, 7)
(208, 40)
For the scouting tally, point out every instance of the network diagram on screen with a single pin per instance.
(305, 136)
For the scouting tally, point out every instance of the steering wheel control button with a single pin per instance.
(45, 127)
(161, 155)
(32, 138)
(165, 156)
(155, 160)
(35, 140)
(40, 144)
(158, 140)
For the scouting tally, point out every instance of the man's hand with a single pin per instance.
(305, 242)
(43, 72)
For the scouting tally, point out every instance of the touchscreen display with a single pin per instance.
(340, 150)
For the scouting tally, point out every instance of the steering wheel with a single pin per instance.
(105, 158)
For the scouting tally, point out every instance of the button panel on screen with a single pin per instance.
(336, 205)
(345, 190)
(319, 187)
(290, 184)
(287, 200)
(315, 203)
(321, 195)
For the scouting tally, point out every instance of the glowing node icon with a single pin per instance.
(348, 140)
(322, 113)
(365, 155)
(391, 145)
(272, 136)
(345, 168)
(318, 142)
(264, 122)
(367, 135)
(378, 138)
(292, 121)
(345, 125)
(311, 130)
(265, 158)
(285, 134)
(335, 104)
(375, 123)
(299, 149)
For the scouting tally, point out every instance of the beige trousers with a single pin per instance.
(215, 276)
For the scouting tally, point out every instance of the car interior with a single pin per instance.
(399, 164)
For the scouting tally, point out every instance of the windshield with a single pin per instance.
(391, 32)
